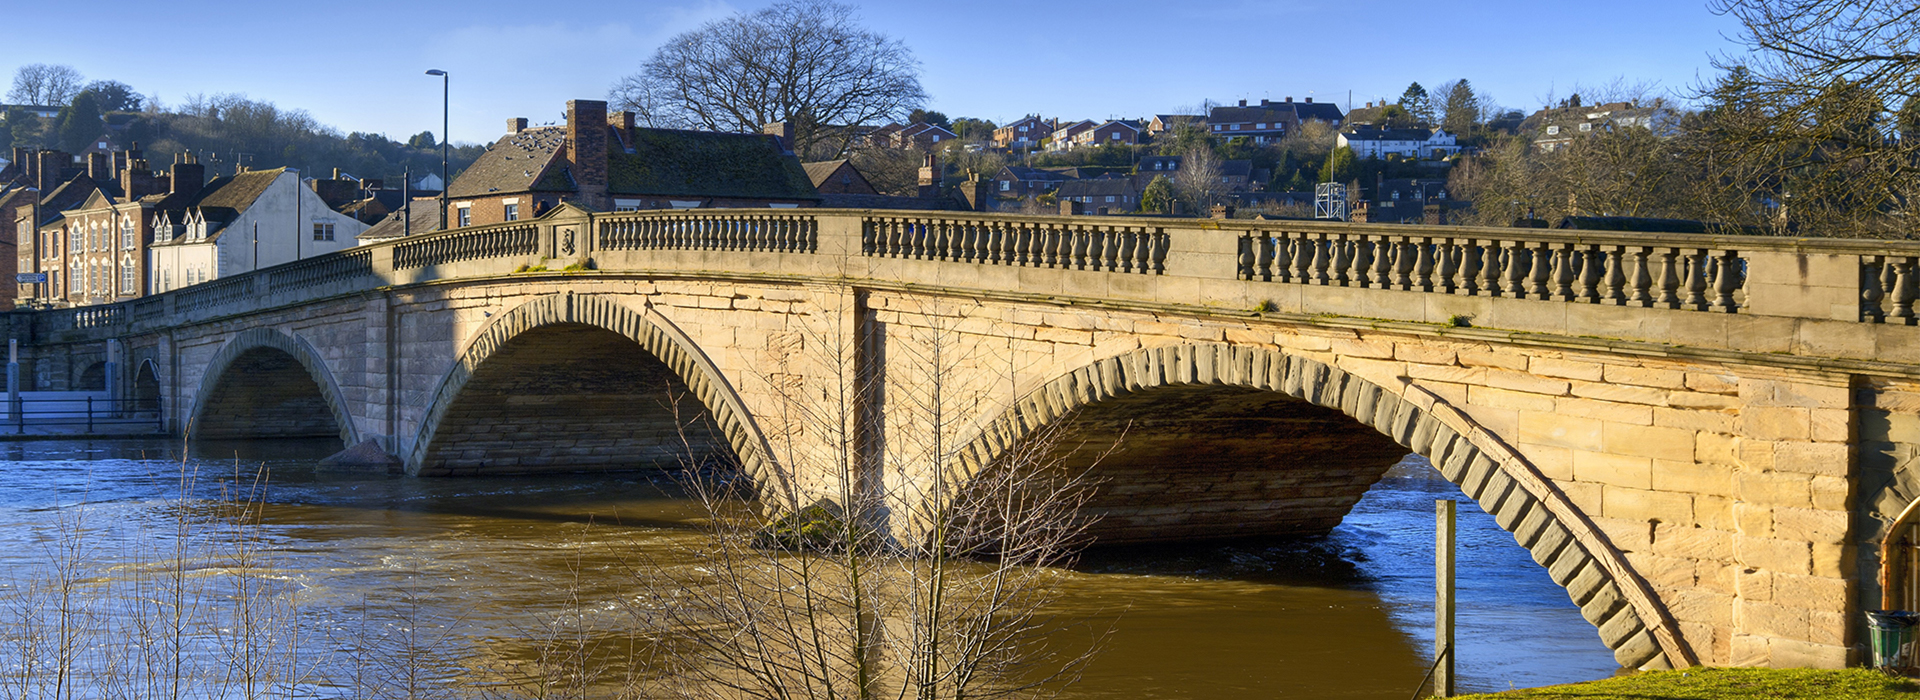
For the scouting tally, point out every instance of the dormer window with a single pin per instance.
(1553, 130)
(1584, 126)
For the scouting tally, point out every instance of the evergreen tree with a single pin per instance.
(1417, 103)
(80, 122)
(423, 140)
(1462, 109)
(1339, 166)
(1158, 197)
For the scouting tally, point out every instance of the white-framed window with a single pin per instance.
(1552, 130)
(466, 216)
(1109, 198)
(1236, 127)
(511, 212)
(1216, 127)
(127, 275)
(323, 230)
(126, 233)
(1006, 185)
(626, 205)
(1585, 126)
(1260, 125)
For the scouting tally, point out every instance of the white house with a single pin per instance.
(1368, 142)
(244, 222)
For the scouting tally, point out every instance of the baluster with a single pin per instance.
(1903, 291)
(1342, 253)
(1540, 279)
(1696, 279)
(1424, 265)
(1669, 278)
(1495, 259)
(1321, 253)
(1470, 264)
(1726, 280)
(1303, 253)
(1590, 260)
(1615, 277)
(1264, 256)
(1871, 292)
(1446, 256)
(1097, 247)
(1642, 278)
(1383, 250)
(1404, 256)
(1247, 259)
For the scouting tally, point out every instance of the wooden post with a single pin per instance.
(1443, 598)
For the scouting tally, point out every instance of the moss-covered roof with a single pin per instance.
(669, 162)
(518, 163)
(228, 195)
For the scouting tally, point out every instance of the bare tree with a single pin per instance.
(1199, 177)
(902, 571)
(42, 84)
(805, 62)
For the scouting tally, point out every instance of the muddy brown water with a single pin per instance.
(484, 561)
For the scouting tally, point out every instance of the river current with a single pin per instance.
(487, 564)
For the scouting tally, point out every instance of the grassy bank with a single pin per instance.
(1728, 683)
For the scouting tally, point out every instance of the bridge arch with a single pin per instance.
(1611, 595)
(266, 383)
(659, 339)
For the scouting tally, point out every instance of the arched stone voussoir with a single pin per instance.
(302, 352)
(654, 334)
(1631, 620)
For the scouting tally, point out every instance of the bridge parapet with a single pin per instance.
(1831, 298)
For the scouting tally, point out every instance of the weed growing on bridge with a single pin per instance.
(882, 562)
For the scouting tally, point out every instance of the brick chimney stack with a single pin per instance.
(516, 125)
(52, 164)
(100, 167)
(188, 175)
(587, 149)
(782, 131)
(930, 177)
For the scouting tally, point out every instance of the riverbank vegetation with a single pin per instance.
(1728, 684)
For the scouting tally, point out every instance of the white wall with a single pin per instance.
(282, 219)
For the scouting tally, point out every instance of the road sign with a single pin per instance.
(30, 278)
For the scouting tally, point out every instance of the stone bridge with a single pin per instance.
(1701, 438)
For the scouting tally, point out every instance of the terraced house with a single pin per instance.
(240, 223)
(600, 163)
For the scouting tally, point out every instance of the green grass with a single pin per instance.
(1718, 683)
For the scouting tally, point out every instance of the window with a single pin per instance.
(1236, 127)
(511, 212)
(1109, 198)
(1216, 127)
(1396, 195)
(127, 241)
(126, 276)
(1006, 185)
(466, 217)
(323, 231)
(1586, 126)
(1261, 125)
(1551, 130)
(626, 205)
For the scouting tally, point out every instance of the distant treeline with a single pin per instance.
(228, 130)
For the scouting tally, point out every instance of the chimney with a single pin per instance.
(1071, 207)
(188, 175)
(99, 167)
(23, 157)
(622, 120)
(784, 132)
(1289, 98)
(930, 177)
(587, 149)
(336, 173)
(119, 162)
(1221, 211)
(1309, 100)
(51, 163)
(1243, 103)
(978, 193)
(516, 125)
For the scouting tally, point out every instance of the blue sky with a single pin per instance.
(359, 66)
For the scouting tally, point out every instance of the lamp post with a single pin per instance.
(443, 145)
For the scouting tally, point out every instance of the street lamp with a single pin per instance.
(444, 183)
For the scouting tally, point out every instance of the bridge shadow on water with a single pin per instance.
(1343, 614)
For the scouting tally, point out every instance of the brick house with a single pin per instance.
(1268, 121)
(1112, 133)
(1163, 123)
(1024, 133)
(1062, 137)
(609, 164)
(1116, 195)
(1020, 182)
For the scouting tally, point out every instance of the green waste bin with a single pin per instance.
(1890, 631)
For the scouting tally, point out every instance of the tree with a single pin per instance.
(1396, 117)
(114, 96)
(42, 84)
(928, 116)
(1199, 177)
(902, 570)
(1461, 108)
(80, 122)
(805, 62)
(1417, 103)
(1158, 196)
(970, 129)
(423, 140)
(1339, 166)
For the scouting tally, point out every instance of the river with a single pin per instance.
(480, 566)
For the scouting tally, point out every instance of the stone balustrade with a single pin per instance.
(1233, 263)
